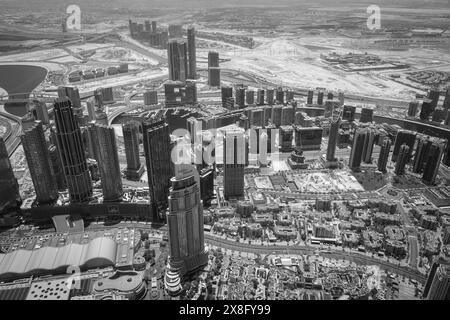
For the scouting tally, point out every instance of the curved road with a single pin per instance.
(300, 250)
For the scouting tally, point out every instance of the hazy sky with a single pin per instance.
(148, 4)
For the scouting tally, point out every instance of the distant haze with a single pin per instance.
(198, 4)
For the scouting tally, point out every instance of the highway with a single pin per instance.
(356, 257)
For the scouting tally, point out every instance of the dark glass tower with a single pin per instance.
(403, 137)
(192, 55)
(177, 58)
(423, 147)
(384, 154)
(433, 160)
(234, 159)
(131, 140)
(403, 159)
(157, 148)
(71, 149)
(39, 164)
(332, 139)
(9, 188)
(57, 168)
(105, 152)
(356, 153)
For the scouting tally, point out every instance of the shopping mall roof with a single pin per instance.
(97, 253)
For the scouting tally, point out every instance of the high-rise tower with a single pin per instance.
(356, 153)
(185, 223)
(403, 159)
(433, 160)
(192, 56)
(71, 149)
(157, 148)
(332, 139)
(39, 164)
(234, 159)
(403, 137)
(9, 188)
(177, 58)
(384, 154)
(131, 141)
(105, 152)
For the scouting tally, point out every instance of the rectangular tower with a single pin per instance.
(105, 151)
(233, 164)
(39, 164)
(71, 149)
(192, 55)
(9, 188)
(157, 148)
(177, 59)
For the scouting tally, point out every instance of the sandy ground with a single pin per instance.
(40, 55)
(120, 54)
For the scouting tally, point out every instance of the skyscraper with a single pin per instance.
(175, 30)
(214, 77)
(39, 111)
(270, 97)
(446, 159)
(332, 139)
(192, 56)
(71, 149)
(131, 141)
(440, 284)
(356, 154)
(177, 58)
(349, 113)
(434, 95)
(412, 109)
(233, 164)
(105, 151)
(9, 188)
(55, 161)
(74, 96)
(39, 164)
(433, 160)
(157, 148)
(366, 115)
(250, 97)
(310, 97)
(185, 223)
(330, 106)
(384, 154)
(260, 97)
(320, 94)
(213, 59)
(280, 95)
(426, 110)
(240, 97)
(423, 147)
(369, 139)
(402, 160)
(403, 137)
(446, 104)
(226, 92)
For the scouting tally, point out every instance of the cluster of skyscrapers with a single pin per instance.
(182, 57)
